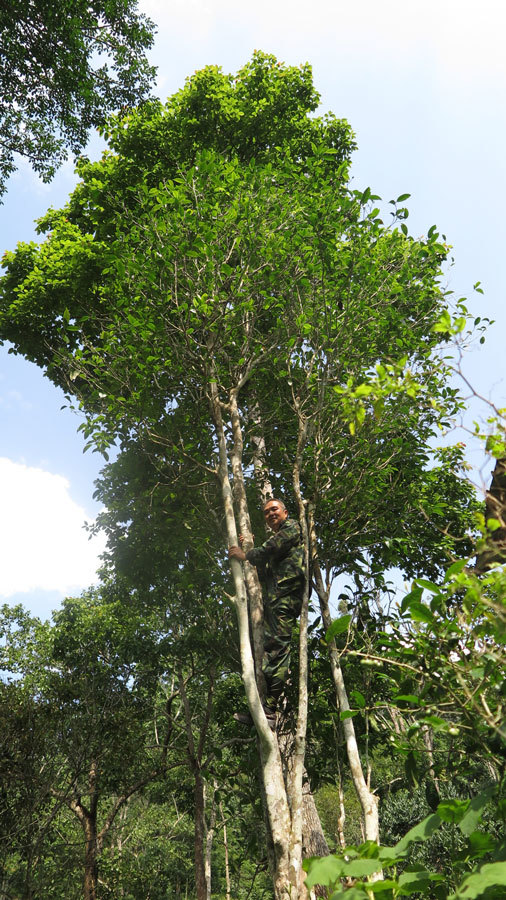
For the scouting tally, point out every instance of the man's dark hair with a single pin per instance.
(274, 500)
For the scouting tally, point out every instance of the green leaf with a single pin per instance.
(428, 585)
(324, 871)
(421, 832)
(474, 886)
(413, 881)
(475, 808)
(415, 594)
(480, 843)
(493, 524)
(452, 810)
(327, 870)
(353, 893)
(407, 698)
(358, 698)
(348, 714)
(456, 568)
(402, 198)
(337, 627)
(420, 613)
(363, 390)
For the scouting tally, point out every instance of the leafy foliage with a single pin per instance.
(220, 252)
(52, 89)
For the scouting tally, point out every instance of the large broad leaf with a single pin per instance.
(421, 832)
(472, 816)
(413, 881)
(329, 869)
(419, 612)
(324, 871)
(353, 894)
(452, 810)
(492, 875)
(337, 627)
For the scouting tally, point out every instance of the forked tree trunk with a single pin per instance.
(272, 774)
(313, 838)
(282, 817)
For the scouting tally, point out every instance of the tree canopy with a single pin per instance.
(230, 311)
(65, 66)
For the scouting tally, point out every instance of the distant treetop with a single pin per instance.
(65, 65)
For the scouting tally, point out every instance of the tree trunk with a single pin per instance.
(209, 838)
(253, 588)
(495, 508)
(90, 858)
(225, 845)
(88, 819)
(313, 838)
(195, 760)
(368, 800)
(199, 859)
(285, 881)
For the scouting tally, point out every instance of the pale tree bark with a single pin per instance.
(209, 832)
(278, 809)
(368, 800)
(253, 588)
(292, 747)
(295, 787)
(225, 846)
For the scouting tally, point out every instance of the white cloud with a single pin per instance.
(42, 540)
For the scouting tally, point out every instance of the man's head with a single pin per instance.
(275, 513)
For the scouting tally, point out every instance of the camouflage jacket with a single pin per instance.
(280, 561)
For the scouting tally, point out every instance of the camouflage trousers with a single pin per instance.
(280, 615)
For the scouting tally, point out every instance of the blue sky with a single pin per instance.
(422, 85)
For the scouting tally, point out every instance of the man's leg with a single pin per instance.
(279, 622)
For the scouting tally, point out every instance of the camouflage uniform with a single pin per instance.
(280, 566)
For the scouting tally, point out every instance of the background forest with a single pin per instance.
(234, 318)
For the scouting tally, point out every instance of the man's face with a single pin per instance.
(275, 515)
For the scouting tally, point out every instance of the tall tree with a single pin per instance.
(53, 86)
(246, 287)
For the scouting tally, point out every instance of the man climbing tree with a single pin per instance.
(280, 566)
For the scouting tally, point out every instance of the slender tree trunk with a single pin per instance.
(272, 774)
(209, 838)
(199, 834)
(368, 800)
(295, 783)
(253, 588)
(195, 760)
(225, 845)
(313, 839)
